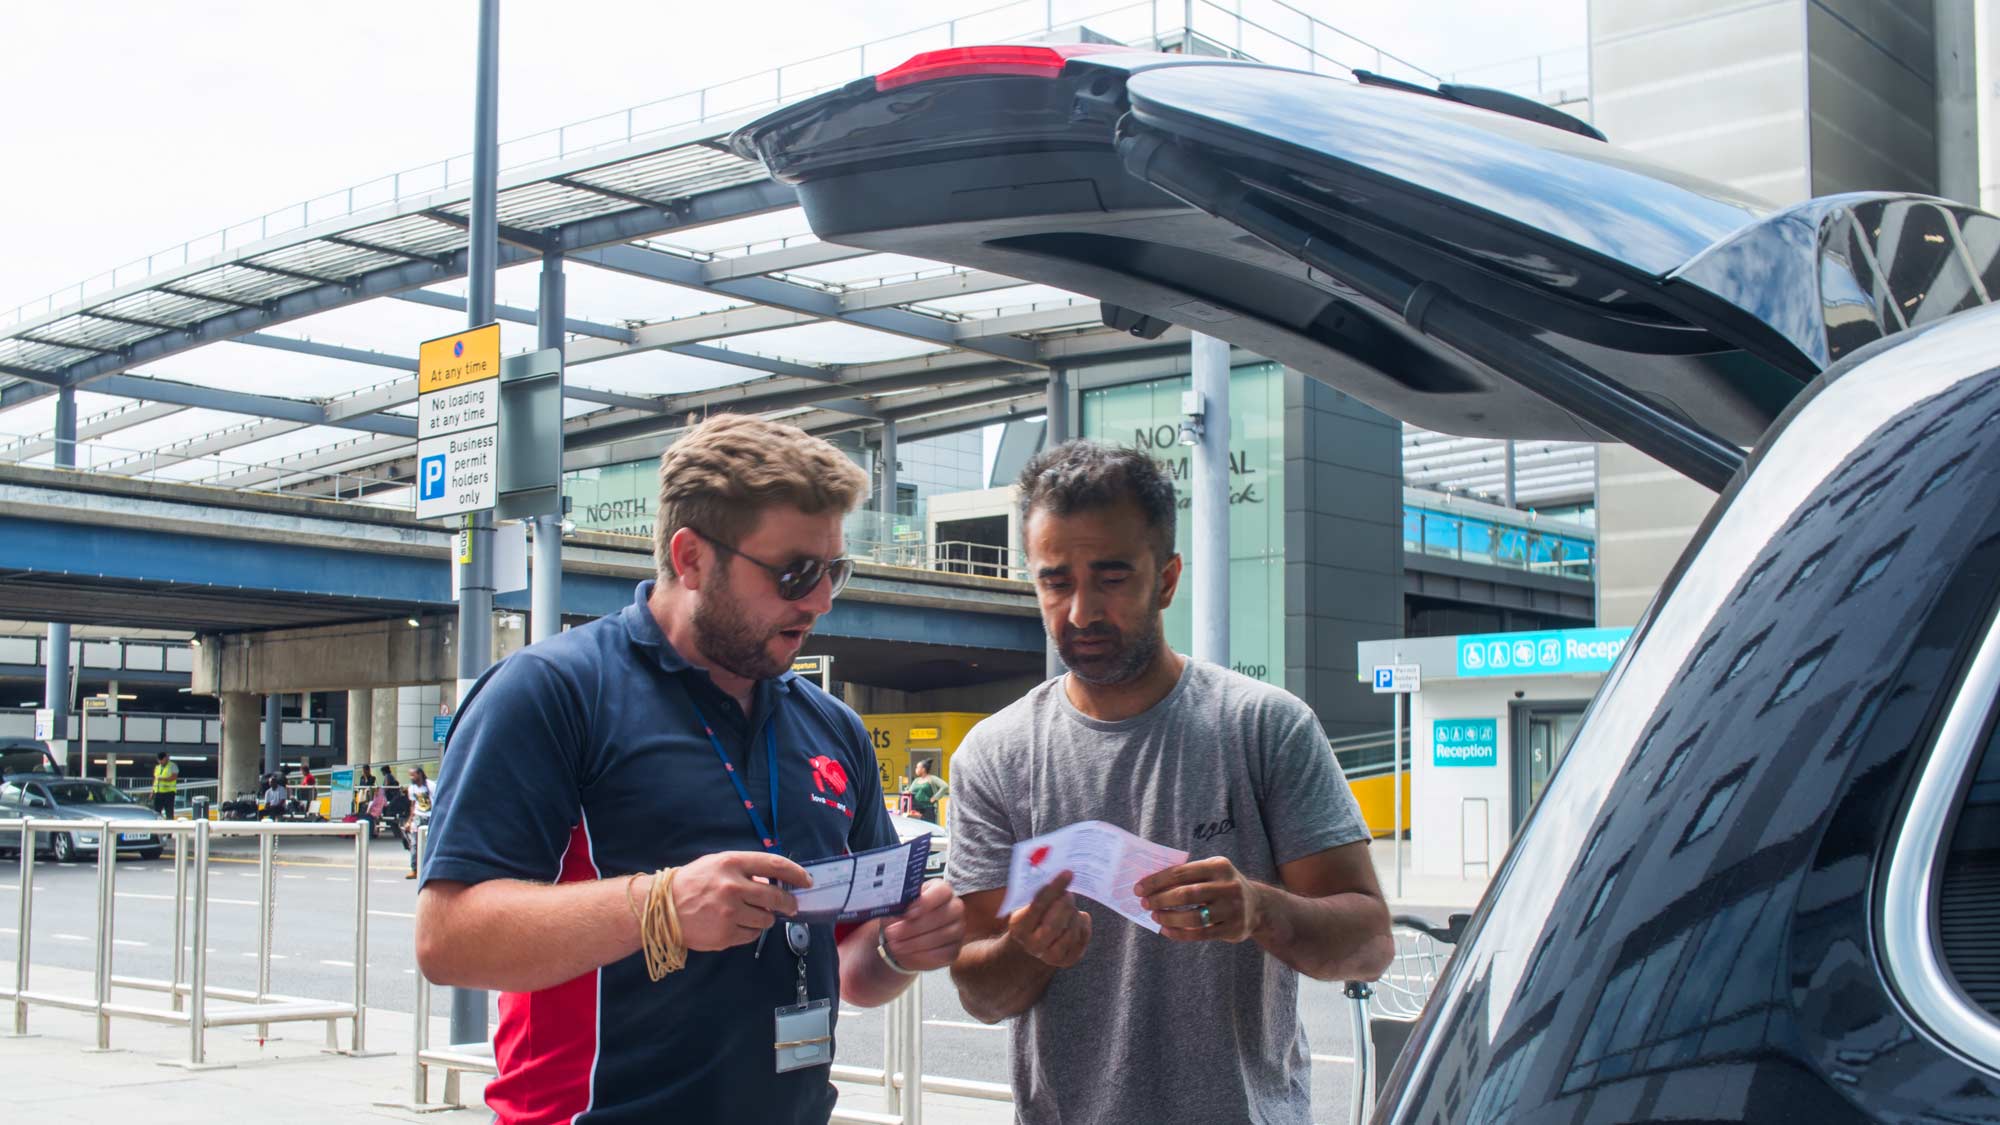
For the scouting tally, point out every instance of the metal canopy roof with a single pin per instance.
(743, 309)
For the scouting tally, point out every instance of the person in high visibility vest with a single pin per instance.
(166, 783)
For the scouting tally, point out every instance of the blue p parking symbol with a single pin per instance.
(1385, 678)
(430, 478)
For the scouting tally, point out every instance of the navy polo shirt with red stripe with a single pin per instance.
(582, 757)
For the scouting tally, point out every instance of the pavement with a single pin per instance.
(56, 1076)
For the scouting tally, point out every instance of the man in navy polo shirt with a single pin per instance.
(672, 734)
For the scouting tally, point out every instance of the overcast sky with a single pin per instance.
(134, 125)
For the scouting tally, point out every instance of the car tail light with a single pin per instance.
(963, 62)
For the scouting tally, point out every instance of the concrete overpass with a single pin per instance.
(105, 549)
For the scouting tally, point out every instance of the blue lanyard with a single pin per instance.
(771, 758)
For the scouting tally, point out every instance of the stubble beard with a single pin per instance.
(1124, 663)
(729, 641)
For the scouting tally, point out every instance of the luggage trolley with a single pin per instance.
(1386, 1009)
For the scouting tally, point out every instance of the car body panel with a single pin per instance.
(27, 755)
(1329, 226)
(1683, 929)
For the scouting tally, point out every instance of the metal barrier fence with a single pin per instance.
(189, 992)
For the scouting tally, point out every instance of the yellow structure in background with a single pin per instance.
(1376, 795)
(933, 734)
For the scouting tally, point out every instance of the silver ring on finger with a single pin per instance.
(1206, 919)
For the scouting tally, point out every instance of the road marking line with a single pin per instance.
(338, 964)
(69, 937)
(291, 876)
(390, 914)
(126, 941)
(169, 898)
(964, 1026)
(1332, 1058)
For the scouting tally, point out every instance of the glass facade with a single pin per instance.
(1147, 416)
(1470, 538)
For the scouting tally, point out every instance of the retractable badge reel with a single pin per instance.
(804, 1029)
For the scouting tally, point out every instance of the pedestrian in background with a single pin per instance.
(924, 791)
(420, 814)
(272, 807)
(166, 783)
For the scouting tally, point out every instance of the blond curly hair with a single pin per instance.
(722, 474)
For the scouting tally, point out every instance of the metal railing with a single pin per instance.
(171, 465)
(189, 993)
(1269, 30)
(166, 729)
(1470, 538)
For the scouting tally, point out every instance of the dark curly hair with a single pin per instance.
(1083, 476)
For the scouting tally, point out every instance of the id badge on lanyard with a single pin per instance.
(803, 1031)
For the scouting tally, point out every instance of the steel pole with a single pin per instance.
(885, 500)
(24, 918)
(913, 1052)
(274, 729)
(358, 1042)
(55, 678)
(1396, 790)
(266, 907)
(545, 579)
(181, 842)
(475, 579)
(107, 859)
(1055, 432)
(198, 979)
(1210, 534)
(1513, 474)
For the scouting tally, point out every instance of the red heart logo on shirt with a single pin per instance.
(829, 774)
(1036, 857)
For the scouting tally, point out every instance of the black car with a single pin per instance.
(1765, 884)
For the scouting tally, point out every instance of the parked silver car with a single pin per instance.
(41, 796)
(909, 828)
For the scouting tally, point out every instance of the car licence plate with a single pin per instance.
(132, 837)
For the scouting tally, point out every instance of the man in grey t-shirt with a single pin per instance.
(1116, 1024)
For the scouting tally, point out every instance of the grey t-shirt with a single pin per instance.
(1145, 1029)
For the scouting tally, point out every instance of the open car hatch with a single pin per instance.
(1470, 270)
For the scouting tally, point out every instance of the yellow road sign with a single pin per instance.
(462, 357)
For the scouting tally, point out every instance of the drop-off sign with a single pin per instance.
(458, 414)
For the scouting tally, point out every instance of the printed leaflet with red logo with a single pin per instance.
(1105, 859)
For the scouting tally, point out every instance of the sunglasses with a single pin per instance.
(797, 578)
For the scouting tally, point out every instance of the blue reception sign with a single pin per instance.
(1553, 652)
(1465, 742)
(440, 727)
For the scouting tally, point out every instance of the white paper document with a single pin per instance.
(1105, 859)
(852, 888)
